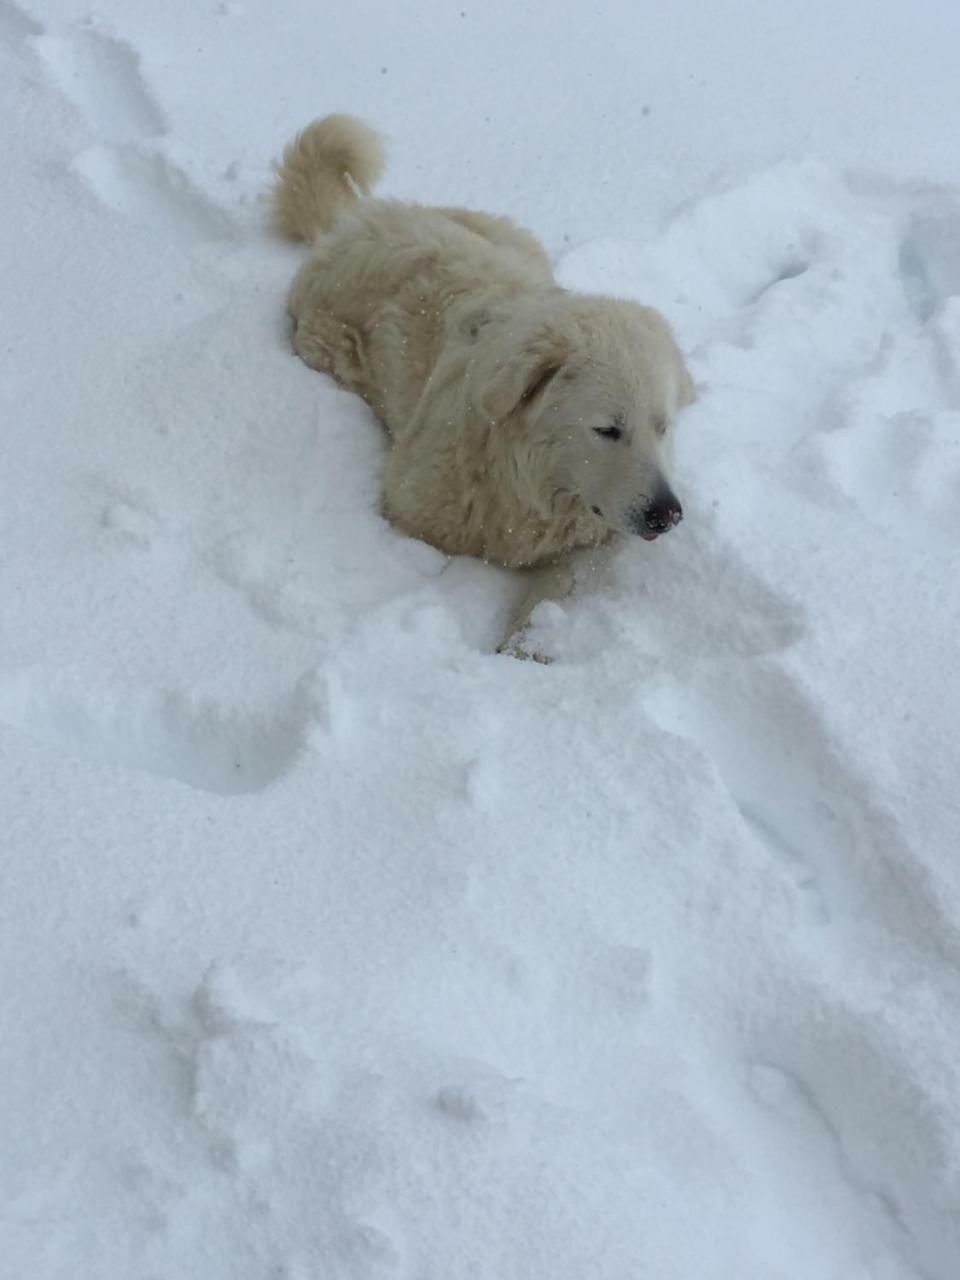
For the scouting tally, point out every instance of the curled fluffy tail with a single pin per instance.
(322, 172)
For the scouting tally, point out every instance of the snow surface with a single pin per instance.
(335, 947)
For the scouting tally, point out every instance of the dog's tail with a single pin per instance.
(323, 172)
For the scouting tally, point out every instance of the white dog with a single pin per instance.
(526, 422)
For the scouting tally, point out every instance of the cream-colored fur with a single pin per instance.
(494, 383)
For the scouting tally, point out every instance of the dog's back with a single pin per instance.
(386, 282)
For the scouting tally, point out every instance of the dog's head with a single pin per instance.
(591, 388)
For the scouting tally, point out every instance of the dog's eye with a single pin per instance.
(660, 426)
(609, 433)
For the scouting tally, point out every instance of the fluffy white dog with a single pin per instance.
(526, 422)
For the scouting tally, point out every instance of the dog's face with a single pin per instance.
(596, 390)
(609, 439)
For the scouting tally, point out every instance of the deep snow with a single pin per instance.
(334, 946)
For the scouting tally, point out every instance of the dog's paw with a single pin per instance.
(514, 648)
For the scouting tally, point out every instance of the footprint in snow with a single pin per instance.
(127, 514)
(101, 75)
(288, 1135)
(16, 26)
(149, 189)
(127, 169)
(851, 862)
(848, 1076)
(130, 524)
(895, 450)
(206, 744)
(929, 259)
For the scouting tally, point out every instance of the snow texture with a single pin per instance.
(336, 946)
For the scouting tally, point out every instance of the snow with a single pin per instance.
(334, 945)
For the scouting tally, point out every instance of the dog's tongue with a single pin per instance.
(649, 537)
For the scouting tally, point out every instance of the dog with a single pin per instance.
(526, 422)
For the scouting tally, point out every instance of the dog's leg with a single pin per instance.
(552, 582)
(330, 346)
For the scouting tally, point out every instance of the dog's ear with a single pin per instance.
(524, 375)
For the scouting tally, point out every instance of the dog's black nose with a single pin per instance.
(662, 514)
(658, 515)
